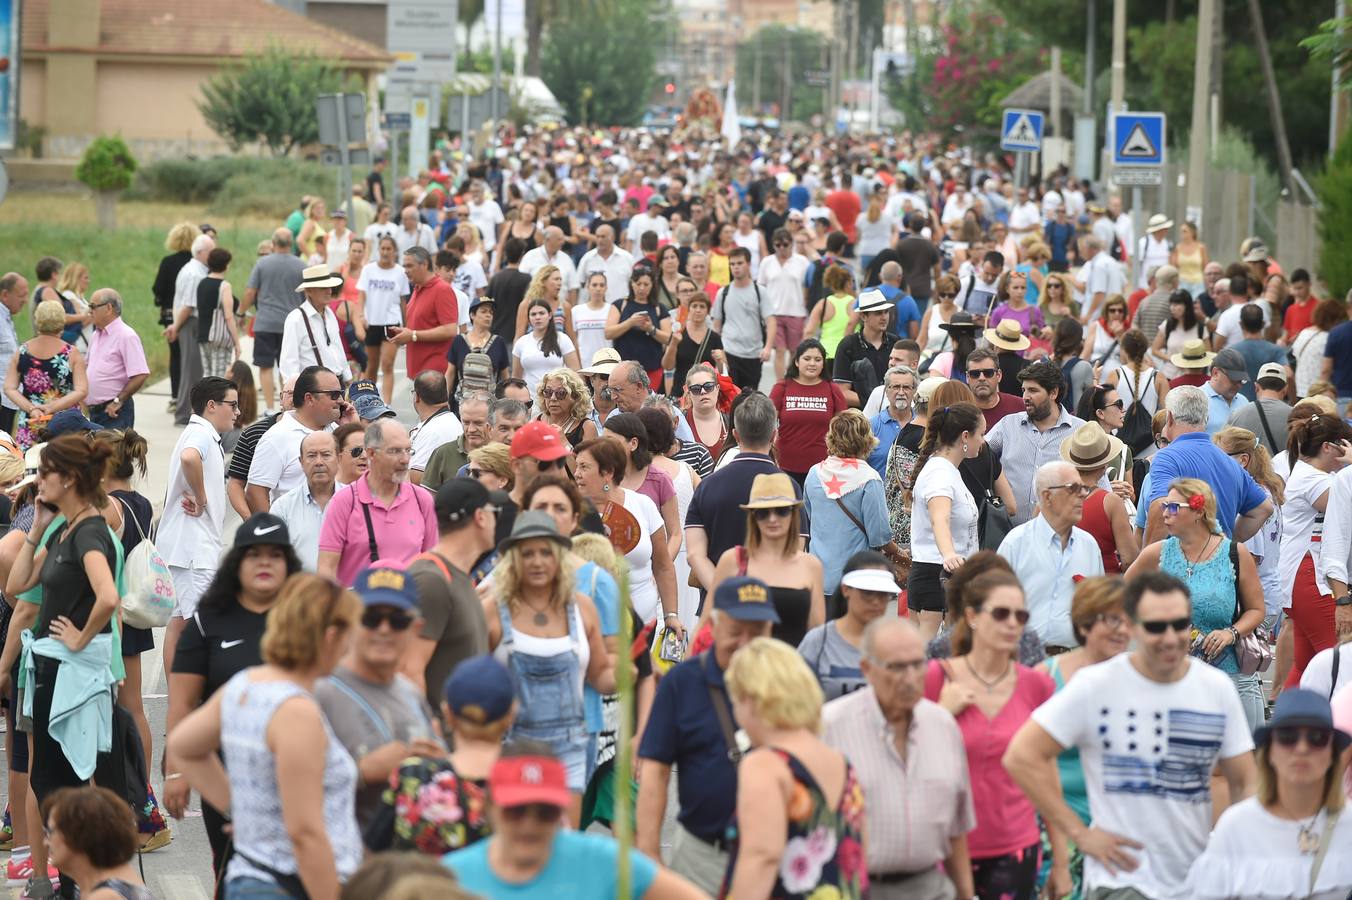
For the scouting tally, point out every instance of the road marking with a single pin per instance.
(180, 887)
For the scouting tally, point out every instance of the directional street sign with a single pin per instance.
(1021, 129)
(1138, 139)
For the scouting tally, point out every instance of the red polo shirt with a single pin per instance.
(432, 304)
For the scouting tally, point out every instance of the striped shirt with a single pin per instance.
(696, 455)
(918, 805)
(1022, 447)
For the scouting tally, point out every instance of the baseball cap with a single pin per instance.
(365, 398)
(539, 440)
(338, 213)
(263, 529)
(747, 599)
(1231, 362)
(386, 584)
(925, 390)
(68, 421)
(458, 498)
(479, 690)
(520, 780)
(1272, 370)
(480, 301)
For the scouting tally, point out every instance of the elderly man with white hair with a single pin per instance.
(117, 363)
(183, 330)
(413, 232)
(1047, 553)
(551, 253)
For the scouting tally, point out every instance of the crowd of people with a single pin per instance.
(939, 536)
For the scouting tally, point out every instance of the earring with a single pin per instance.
(964, 448)
(606, 488)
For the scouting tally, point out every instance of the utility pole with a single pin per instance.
(1274, 97)
(1336, 98)
(1056, 93)
(1199, 152)
(1217, 69)
(756, 73)
(1090, 42)
(497, 60)
(786, 79)
(1119, 81)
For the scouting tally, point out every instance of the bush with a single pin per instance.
(233, 185)
(107, 165)
(1334, 188)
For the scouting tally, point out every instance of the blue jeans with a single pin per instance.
(253, 889)
(125, 418)
(1250, 688)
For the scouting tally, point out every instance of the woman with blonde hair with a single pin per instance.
(546, 285)
(1222, 576)
(312, 231)
(73, 285)
(491, 466)
(845, 497)
(283, 778)
(178, 247)
(1057, 299)
(794, 792)
(564, 402)
(548, 634)
(46, 376)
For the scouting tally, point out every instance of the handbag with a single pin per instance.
(149, 598)
(992, 522)
(1253, 652)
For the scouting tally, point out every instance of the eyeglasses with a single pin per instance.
(397, 451)
(233, 404)
(545, 465)
(898, 666)
(540, 812)
(1290, 735)
(1002, 614)
(981, 373)
(399, 620)
(1161, 442)
(554, 393)
(1112, 620)
(1084, 490)
(773, 512)
(782, 243)
(705, 388)
(1159, 626)
(94, 306)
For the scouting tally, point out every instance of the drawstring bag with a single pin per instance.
(149, 598)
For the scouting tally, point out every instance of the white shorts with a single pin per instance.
(189, 586)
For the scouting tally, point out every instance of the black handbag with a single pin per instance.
(992, 521)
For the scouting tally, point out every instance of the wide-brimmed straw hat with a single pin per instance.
(1159, 221)
(1194, 355)
(1008, 335)
(320, 276)
(1090, 447)
(771, 491)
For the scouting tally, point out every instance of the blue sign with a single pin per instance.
(398, 121)
(1021, 129)
(1138, 139)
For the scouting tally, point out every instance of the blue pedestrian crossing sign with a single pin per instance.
(1138, 139)
(1021, 130)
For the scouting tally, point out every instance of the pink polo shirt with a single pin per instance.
(402, 530)
(115, 357)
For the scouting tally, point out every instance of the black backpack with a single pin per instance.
(1135, 431)
(817, 290)
(1066, 368)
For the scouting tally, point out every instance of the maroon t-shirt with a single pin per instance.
(805, 411)
(1008, 405)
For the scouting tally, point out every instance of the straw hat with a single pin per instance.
(320, 276)
(1158, 222)
(602, 362)
(959, 320)
(1195, 355)
(873, 301)
(772, 490)
(1008, 335)
(1090, 447)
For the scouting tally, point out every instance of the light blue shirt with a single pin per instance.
(885, 429)
(683, 432)
(1023, 447)
(81, 715)
(304, 518)
(580, 865)
(1047, 571)
(1220, 410)
(834, 537)
(9, 345)
(598, 584)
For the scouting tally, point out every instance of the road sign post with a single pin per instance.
(1138, 148)
(1021, 132)
(342, 123)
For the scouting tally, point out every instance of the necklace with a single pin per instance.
(1191, 564)
(541, 617)
(989, 685)
(1307, 840)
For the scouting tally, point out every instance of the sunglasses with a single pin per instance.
(1171, 508)
(399, 620)
(544, 465)
(1117, 312)
(540, 812)
(1159, 626)
(707, 387)
(1083, 490)
(1117, 404)
(1290, 735)
(947, 296)
(782, 244)
(773, 512)
(332, 395)
(356, 452)
(981, 373)
(476, 474)
(1002, 614)
(554, 393)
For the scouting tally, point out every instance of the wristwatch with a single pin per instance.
(415, 337)
(1344, 600)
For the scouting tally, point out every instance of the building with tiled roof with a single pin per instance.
(136, 67)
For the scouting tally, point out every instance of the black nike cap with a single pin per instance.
(262, 528)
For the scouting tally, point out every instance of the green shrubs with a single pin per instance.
(107, 165)
(235, 185)
(1335, 219)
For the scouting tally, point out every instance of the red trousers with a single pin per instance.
(1310, 618)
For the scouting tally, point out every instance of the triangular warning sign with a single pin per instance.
(1138, 145)
(1022, 132)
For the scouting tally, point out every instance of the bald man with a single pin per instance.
(551, 253)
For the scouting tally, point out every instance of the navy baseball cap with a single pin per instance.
(747, 599)
(365, 398)
(386, 585)
(70, 421)
(480, 690)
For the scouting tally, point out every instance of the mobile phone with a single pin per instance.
(50, 507)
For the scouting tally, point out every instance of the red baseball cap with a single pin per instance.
(539, 440)
(519, 780)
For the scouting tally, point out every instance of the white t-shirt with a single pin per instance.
(783, 281)
(1102, 274)
(194, 542)
(276, 460)
(442, 428)
(534, 363)
(1227, 324)
(1024, 217)
(940, 478)
(1148, 749)
(1302, 525)
(486, 216)
(469, 280)
(1318, 674)
(590, 327)
(645, 222)
(1254, 855)
(642, 588)
(377, 230)
(384, 289)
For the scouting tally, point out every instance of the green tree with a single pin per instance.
(270, 99)
(603, 70)
(106, 168)
(1335, 218)
(778, 68)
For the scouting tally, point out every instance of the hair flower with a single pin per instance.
(1197, 502)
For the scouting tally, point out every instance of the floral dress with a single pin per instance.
(42, 381)
(824, 855)
(430, 809)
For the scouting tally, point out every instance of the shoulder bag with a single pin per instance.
(725, 723)
(993, 521)
(1253, 652)
(149, 598)
(1267, 429)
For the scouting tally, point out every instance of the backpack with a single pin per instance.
(477, 374)
(1135, 431)
(1067, 368)
(722, 306)
(817, 289)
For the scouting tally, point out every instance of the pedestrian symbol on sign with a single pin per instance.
(1021, 130)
